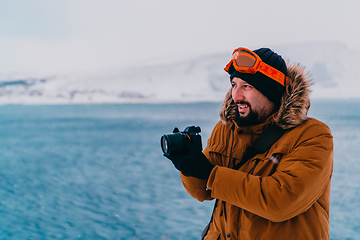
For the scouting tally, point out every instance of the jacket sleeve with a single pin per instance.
(299, 180)
(197, 187)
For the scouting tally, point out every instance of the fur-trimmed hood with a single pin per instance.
(295, 102)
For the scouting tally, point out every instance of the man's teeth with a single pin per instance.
(243, 106)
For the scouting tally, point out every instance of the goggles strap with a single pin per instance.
(272, 73)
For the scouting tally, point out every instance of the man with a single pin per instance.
(283, 193)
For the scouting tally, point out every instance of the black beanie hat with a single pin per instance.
(267, 86)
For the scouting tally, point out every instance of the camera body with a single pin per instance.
(174, 143)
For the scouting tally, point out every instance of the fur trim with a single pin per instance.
(228, 109)
(295, 102)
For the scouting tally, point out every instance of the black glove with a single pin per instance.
(193, 163)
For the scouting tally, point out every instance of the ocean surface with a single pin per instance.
(97, 171)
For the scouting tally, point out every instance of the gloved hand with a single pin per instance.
(193, 163)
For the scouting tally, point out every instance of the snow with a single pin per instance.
(198, 79)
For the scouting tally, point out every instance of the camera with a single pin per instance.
(174, 143)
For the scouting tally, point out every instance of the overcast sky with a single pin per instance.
(60, 36)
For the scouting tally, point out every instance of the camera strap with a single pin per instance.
(261, 145)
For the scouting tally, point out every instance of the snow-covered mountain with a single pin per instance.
(332, 65)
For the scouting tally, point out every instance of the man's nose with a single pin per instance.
(238, 94)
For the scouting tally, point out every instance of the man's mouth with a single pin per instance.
(243, 107)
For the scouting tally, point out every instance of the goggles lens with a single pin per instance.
(244, 59)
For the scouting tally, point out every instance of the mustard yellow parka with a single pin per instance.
(281, 194)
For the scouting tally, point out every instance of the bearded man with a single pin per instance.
(282, 193)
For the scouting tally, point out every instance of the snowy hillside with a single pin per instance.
(332, 65)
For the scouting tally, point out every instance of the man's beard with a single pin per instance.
(252, 118)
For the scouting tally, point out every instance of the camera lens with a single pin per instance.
(165, 145)
(172, 143)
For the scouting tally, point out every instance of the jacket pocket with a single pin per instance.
(265, 165)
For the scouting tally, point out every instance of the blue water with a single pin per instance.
(97, 171)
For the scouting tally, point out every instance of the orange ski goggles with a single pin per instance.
(246, 61)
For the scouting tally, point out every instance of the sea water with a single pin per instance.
(97, 171)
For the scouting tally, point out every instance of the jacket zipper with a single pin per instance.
(223, 207)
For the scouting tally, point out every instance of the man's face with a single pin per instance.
(253, 106)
